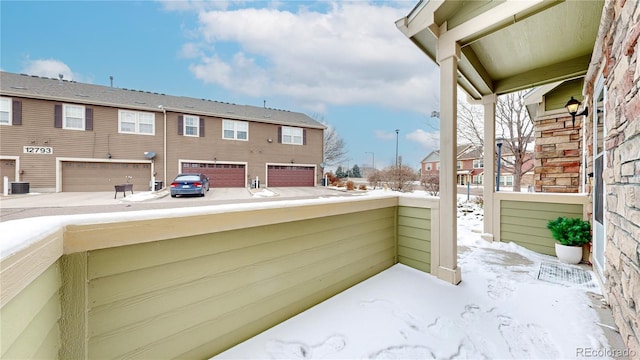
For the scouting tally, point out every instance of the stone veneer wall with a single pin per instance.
(557, 155)
(616, 58)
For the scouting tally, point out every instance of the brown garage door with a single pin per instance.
(99, 176)
(284, 175)
(8, 169)
(220, 175)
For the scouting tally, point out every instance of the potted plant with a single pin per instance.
(570, 235)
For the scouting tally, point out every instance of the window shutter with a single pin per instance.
(57, 116)
(201, 127)
(304, 136)
(88, 119)
(17, 113)
(279, 134)
(180, 124)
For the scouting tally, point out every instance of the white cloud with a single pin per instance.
(384, 135)
(350, 54)
(51, 68)
(424, 138)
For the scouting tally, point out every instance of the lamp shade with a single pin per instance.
(572, 106)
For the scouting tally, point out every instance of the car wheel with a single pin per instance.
(173, 195)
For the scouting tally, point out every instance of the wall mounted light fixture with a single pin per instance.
(572, 107)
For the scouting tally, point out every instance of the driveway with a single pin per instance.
(43, 204)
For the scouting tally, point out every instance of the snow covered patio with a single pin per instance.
(501, 310)
(194, 282)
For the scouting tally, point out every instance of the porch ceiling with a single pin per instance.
(508, 46)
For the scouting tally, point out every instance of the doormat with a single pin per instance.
(565, 275)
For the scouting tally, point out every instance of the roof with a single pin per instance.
(471, 152)
(434, 156)
(35, 87)
(506, 46)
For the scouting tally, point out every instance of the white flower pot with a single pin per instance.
(569, 254)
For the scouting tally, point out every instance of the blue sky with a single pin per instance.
(344, 63)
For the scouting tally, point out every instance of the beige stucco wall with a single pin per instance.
(37, 129)
(615, 60)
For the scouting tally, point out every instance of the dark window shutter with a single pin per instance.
(57, 116)
(88, 119)
(180, 124)
(279, 134)
(201, 127)
(304, 136)
(17, 113)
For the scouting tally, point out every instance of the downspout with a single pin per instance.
(164, 145)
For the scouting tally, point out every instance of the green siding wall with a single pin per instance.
(414, 237)
(196, 296)
(558, 97)
(29, 326)
(525, 223)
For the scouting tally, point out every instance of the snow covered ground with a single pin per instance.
(501, 310)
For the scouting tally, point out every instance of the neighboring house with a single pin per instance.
(470, 167)
(60, 135)
(493, 48)
(430, 165)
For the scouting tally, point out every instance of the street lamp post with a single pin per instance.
(397, 132)
(373, 159)
(499, 143)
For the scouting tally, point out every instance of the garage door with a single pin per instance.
(102, 176)
(220, 175)
(284, 175)
(8, 169)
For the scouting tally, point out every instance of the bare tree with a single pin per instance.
(516, 127)
(400, 177)
(512, 123)
(431, 184)
(470, 124)
(335, 148)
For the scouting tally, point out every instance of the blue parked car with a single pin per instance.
(189, 184)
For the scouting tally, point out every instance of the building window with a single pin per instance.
(291, 135)
(5, 111)
(429, 167)
(191, 126)
(478, 164)
(235, 130)
(438, 166)
(506, 180)
(459, 165)
(73, 117)
(135, 122)
(478, 179)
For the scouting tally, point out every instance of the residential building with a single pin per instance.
(60, 135)
(190, 285)
(493, 48)
(470, 167)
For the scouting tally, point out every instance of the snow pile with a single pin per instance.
(264, 193)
